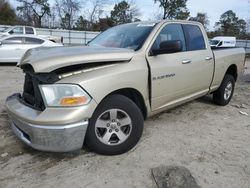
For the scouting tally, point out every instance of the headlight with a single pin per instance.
(64, 95)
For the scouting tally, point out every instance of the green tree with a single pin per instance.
(202, 18)
(230, 25)
(38, 8)
(182, 15)
(7, 13)
(83, 24)
(103, 24)
(123, 12)
(242, 25)
(174, 9)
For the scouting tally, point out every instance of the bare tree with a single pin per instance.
(53, 17)
(96, 10)
(68, 11)
(34, 10)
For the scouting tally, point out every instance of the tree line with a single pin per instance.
(70, 14)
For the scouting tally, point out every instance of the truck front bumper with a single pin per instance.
(62, 138)
(44, 134)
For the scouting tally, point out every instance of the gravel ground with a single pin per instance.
(211, 141)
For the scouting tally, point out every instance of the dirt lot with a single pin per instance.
(211, 141)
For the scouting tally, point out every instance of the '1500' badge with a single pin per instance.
(163, 76)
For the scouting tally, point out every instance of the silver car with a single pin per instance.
(13, 47)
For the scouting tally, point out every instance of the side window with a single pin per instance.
(13, 40)
(29, 30)
(31, 40)
(16, 30)
(194, 37)
(168, 33)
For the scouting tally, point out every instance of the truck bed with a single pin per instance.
(223, 48)
(223, 58)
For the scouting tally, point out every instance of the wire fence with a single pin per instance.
(70, 37)
(244, 44)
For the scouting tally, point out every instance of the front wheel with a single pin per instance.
(115, 127)
(225, 92)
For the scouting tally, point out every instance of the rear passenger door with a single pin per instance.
(201, 58)
(182, 75)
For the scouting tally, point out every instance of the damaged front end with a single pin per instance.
(47, 128)
(51, 115)
(31, 93)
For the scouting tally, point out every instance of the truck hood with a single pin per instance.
(48, 59)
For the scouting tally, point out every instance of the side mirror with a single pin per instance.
(0, 43)
(166, 47)
(11, 32)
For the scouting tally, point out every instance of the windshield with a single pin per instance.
(214, 42)
(3, 29)
(130, 36)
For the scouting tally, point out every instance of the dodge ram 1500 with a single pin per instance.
(99, 95)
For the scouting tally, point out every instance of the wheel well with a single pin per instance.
(232, 70)
(135, 96)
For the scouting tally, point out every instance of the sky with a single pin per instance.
(214, 8)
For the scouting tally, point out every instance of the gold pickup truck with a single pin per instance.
(99, 95)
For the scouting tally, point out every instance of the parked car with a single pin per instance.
(100, 95)
(28, 30)
(13, 47)
(223, 42)
(3, 28)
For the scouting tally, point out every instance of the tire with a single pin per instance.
(225, 92)
(108, 137)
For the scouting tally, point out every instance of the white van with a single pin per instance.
(223, 42)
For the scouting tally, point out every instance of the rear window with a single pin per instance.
(13, 40)
(31, 40)
(194, 37)
(29, 30)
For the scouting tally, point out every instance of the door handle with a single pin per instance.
(186, 61)
(208, 58)
(18, 49)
